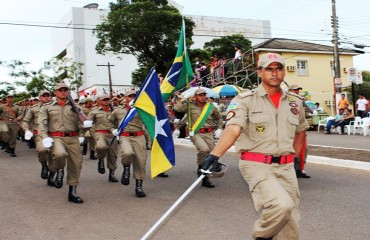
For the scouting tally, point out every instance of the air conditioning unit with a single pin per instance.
(290, 68)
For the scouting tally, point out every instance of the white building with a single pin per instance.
(79, 44)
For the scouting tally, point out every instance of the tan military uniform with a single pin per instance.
(270, 131)
(11, 115)
(63, 126)
(30, 122)
(103, 136)
(132, 143)
(90, 138)
(203, 140)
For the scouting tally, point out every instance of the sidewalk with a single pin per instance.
(310, 159)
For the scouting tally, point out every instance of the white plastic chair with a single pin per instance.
(323, 122)
(364, 126)
(353, 125)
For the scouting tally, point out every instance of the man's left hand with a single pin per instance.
(87, 124)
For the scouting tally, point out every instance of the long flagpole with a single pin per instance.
(190, 125)
(168, 212)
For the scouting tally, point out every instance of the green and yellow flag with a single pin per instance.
(181, 72)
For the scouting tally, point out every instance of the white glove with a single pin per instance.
(87, 124)
(115, 132)
(47, 142)
(218, 133)
(131, 103)
(176, 120)
(176, 133)
(81, 139)
(28, 135)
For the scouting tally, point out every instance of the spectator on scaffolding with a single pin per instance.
(194, 82)
(217, 65)
(212, 65)
(237, 57)
(223, 67)
(203, 72)
(197, 66)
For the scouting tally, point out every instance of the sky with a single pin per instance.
(296, 19)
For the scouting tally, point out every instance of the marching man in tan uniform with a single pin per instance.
(204, 138)
(61, 131)
(89, 134)
(10, 114)
(268, 127)
(132, 145)
(29, 124)
(103, 136)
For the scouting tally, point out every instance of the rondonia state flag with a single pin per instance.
(181, 72)
(150, 106)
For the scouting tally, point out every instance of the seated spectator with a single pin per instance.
(348, 117)
(318, 108)
(335, 122)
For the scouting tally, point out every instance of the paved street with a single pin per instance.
(334, 204)
(336, 140)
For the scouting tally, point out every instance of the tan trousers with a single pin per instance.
(133, 150)
(90, 139)
(204, 142)
(67, 151)
(104, 149)
(274, 189)
(13, 131)
(42, 153)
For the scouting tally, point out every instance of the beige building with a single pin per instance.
(310, 65)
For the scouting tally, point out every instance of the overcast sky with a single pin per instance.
(296, 19)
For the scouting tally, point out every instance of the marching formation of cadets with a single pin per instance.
(49, 124)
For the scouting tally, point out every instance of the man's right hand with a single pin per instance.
(211, 160)
(47, 142)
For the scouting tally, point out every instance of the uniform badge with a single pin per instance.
(293, 104)
(295, 111)
(230, 115)
(232, 106)
(291, 99)
(260, 128)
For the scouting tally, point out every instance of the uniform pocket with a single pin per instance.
(293, 123)
(259, 126)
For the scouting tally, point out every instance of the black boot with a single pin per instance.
(2, 145)
(112, 178)
(11, 151)
(101, 167)
(73, 196)
(92, 155)
(31, 143)
(51, 179)
(139, 189)
(6, 148)
(58, 183)
(125, 180)
(164, 175)
(44, 170)
(84, 149)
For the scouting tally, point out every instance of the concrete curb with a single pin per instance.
(311, 159)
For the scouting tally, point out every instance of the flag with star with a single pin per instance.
(151, 108)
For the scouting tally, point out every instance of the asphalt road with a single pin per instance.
(334, 204)
(345, 141)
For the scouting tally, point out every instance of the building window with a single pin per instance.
(302, 68)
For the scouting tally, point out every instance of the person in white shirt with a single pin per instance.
(361, 106)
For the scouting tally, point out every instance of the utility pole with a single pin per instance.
(109, 77)
(337, 77)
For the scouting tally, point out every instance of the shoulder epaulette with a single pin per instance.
(246, 93)
(294, 95)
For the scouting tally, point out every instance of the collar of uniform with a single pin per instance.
(261, 91)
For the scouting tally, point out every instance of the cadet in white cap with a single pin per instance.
(268, 127)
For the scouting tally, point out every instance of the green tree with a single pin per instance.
(147, 29)
(366, 76)
(225, 46)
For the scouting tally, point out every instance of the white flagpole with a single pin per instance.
(173, 207)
